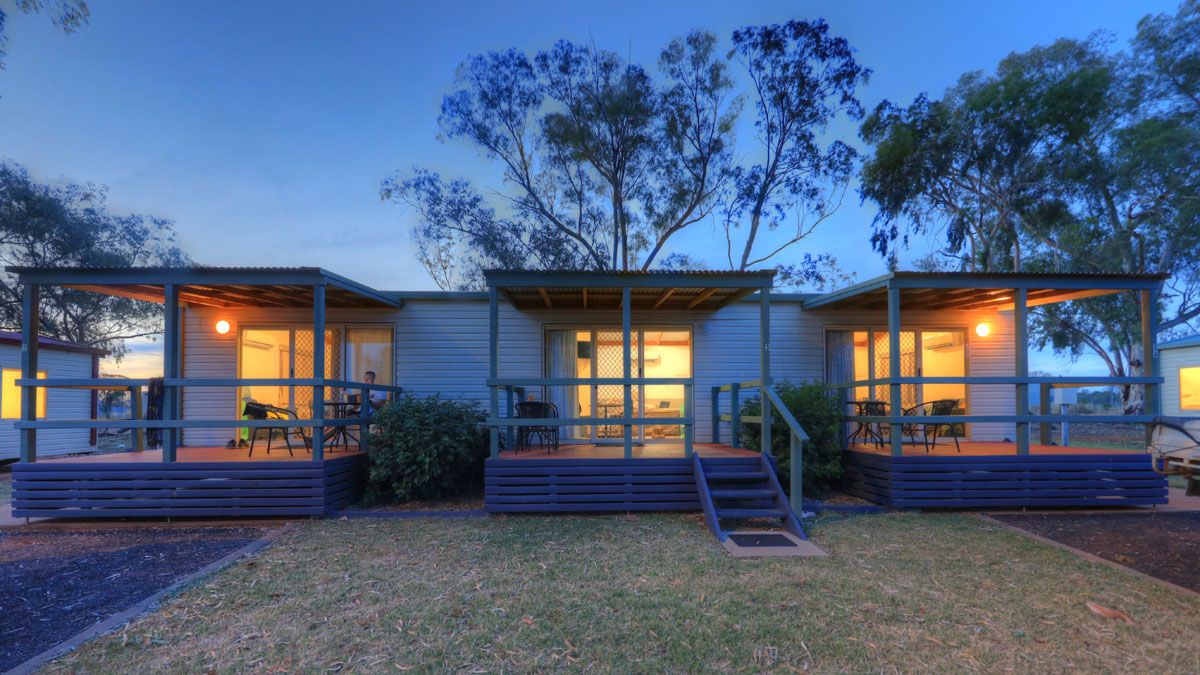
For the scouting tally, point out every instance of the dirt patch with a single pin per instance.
(1163, 545)
(57, 583)
(470, 502)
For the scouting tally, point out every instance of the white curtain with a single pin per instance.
(561, 357)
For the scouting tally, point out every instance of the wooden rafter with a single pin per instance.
(662, 297)
(702, 297)
(545, 297)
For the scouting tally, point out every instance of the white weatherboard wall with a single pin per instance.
(1170, 360)
(60, 403)
(442, 348)
(207, 354)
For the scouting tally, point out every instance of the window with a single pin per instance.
(10, 395)
(1189, 388)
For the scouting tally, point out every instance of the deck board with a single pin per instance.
(186, 454)
(572, 451)
(987, 449)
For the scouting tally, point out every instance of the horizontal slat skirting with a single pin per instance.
(594, 507)
(1004, 481)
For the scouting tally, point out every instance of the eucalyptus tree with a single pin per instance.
(69, 224)
(1073, 161)
(604, 162)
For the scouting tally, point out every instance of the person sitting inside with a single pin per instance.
(375, 397)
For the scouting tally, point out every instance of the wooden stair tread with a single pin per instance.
(750, 513)
(737, 475)
(743, 494)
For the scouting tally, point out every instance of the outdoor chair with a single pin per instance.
(931, 430)
(546, 435)
(869, 431)
(263, 411)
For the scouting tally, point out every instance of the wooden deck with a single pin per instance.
(574, 451)
(986, 449)
(204, 482)
(209, 454)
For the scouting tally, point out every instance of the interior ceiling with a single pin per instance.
(960, 298)
(600, 298)
(240, 295)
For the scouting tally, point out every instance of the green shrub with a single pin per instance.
(425, 448)
(821, 417)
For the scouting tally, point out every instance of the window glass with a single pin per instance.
(10, 395)
(369, 348)
(1189, 388)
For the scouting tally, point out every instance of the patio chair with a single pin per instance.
(262, 411)
(931, 430)
(869, 431)
(547, 435)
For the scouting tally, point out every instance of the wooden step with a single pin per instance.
(750, 513)
(737, 475)
(743, 494)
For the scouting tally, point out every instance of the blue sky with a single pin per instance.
(263, 129)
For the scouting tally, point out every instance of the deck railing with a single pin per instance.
(1021, 419)
(512, 384)
(173, 387)
(770, 402)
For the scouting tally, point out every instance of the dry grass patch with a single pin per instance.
(652, 593)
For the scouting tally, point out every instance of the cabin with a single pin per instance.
(605, 391)
(1179, 363)
(60, 358)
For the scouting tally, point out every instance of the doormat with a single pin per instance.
(757, 539)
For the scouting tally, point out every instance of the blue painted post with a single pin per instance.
(716, 414)
(796, 487)
(509, 435)
(627, 349)
(1044, 409)
(30, 318)
(764, 332)
(364, 429)
(135, 413)
(735, 414)
(687, 428)
(1150, 392)
(1021, 345)
(494, 367)
(896, 407)
(170, 370)
(318, 432)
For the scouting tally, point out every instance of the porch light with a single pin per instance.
(982, 330)
(222, 327)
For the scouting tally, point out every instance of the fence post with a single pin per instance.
(796, 488)
(364, 429)
(509, 437)
(30, 308)
(1044, 409)
(494, 368)
(138, 439)
(688, 428)
(735, 415)
(716, 414)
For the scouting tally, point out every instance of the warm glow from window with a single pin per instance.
(983, 330)
(10, 395)
(1189, 388)
(222, 327)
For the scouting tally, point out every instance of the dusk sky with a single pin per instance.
(264, 129)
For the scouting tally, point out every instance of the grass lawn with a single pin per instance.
(652, 593)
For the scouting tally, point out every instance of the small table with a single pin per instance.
(868, 430)
(340, 435)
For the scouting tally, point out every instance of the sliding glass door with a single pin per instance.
(866, 354)
(654, 353)
(280, 352)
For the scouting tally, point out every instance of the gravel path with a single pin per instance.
(55, 583)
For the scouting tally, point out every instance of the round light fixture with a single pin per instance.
(982, 330)
(222, 327)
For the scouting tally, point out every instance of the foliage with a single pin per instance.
(821, 418)
(68, 15)
(68, 224)
(1068, 158)
(605, 161)
(425, 448)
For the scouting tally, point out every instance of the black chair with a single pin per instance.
(869, 431)
(262, 411)
(547, 435)
(931, 430)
